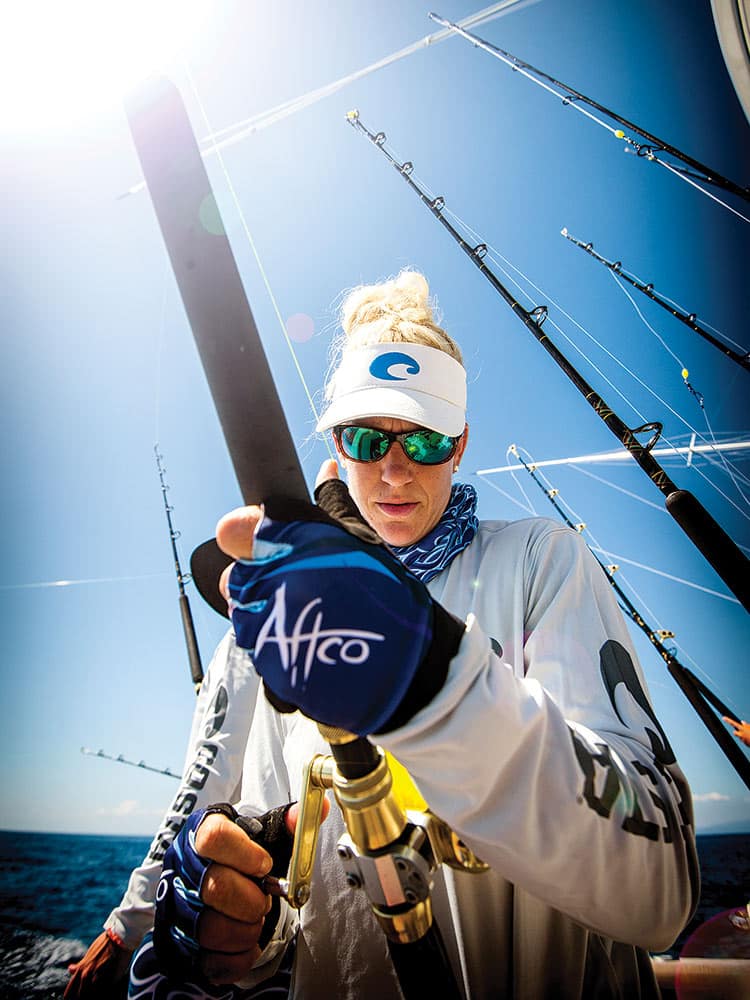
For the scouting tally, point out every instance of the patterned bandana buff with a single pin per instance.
(452, 534)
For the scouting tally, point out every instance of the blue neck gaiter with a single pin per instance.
(452, 534)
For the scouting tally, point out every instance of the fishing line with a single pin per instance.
(499, 260)
(76, 583)
(519, 487)
(508, 496)
(159, 353)
(579, 525)
(620, 489)
(709, 194)
(579, 350)
(734, 474)
(251, 242)
(571, 98)
(650, 328)
(608, 381)
(668, 576)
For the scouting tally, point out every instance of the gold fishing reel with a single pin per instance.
(388, 850)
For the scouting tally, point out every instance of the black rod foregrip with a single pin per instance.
(715, 544)
(191, 641)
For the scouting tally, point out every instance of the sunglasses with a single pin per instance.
(367, 444)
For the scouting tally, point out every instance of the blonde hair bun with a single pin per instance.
(395, 311)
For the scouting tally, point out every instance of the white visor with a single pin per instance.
(407, 381)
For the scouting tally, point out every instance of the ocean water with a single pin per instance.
(56, 890)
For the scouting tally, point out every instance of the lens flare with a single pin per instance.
(64, 63)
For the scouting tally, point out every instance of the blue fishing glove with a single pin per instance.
(149, 982)
(176, 950)
(336, 625)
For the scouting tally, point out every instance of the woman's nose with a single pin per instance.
(395, 467)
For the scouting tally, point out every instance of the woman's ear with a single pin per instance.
(461, 448)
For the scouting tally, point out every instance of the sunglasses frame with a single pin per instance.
(339, 429)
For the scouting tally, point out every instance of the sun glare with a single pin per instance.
(63, 62)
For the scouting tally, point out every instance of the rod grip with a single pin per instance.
(726, 558)
(194, 656)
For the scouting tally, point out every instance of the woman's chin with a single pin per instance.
(398, 534)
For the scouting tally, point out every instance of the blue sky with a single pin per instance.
(98, 362)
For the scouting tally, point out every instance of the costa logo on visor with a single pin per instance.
(393, 366)
(367, 444)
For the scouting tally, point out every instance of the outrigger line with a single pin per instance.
(191, 641)
(649, 150)
(220, 139)
(673, 451)
(699, 696)
(119, 759)
(689, 319)
(705, 533)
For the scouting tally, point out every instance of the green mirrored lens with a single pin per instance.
(427, 447)
(364, 444)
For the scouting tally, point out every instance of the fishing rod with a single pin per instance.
(700, 527)
(572, 98)
(188, 628)
(385, 847)
(697, 693)
(689, 319)
(119, 759)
